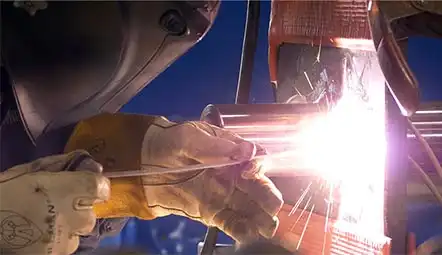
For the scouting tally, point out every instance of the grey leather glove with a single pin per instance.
(43, 210)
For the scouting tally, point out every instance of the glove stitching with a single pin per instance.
(176, 210)
(210, 127)
(171, 126)
(73, 163)
(38, 165)
(4, 175)
(192, 124)
(179, 211)
(213, 130)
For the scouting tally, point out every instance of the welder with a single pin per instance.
(67, 68)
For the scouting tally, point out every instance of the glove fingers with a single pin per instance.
(225, 134)
(84, 162)
(12, 173)
(53, 163)
(82, 222)
(252, 170)
(73, 243)
(77, 192)
(263, 192)
(205, 148)
(62, 162)
(238, 226)
(229, 135)
(220, 132)
(87, 187)
(265, 223)
(66, 243)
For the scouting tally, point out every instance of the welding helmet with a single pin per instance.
(71, 60)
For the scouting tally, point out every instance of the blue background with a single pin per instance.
(208, 74)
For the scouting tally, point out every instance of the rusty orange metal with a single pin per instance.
(315, 242)
(339, 23)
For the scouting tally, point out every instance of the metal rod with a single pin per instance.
(210, 241)
(430, 184)
(235, 110)
(162, 170)
(190, 168)
(248, 52)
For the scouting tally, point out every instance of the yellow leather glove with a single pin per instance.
(239, 200)
(43, 210)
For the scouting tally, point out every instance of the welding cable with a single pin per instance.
(430, 184)
(428, 150)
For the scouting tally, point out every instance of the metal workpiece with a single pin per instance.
(274, 126)
(428, 6)
(395, 196)
(230, 110)
(428, 120)
(432, 246)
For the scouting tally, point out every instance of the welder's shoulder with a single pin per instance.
(103, 228)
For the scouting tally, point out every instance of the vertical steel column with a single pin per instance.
(248, 52)
(395, 177)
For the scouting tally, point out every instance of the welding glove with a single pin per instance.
(239, 200)
(43, 210)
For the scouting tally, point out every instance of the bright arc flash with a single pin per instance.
(347, 146)
(344, 144)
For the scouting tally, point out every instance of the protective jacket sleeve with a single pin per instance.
(115, 141)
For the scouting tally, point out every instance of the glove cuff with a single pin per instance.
(127, 199)
(113, 140)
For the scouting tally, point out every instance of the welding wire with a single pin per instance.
(302, 213)
(329, 207)
(301, 198)
(308, 80)
(427, 148)
(430, 184)
(299, 93)
(327, 215)
(305, 227)
(162, 170)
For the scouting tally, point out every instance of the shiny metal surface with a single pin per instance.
(432, 246)
(428, 120)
